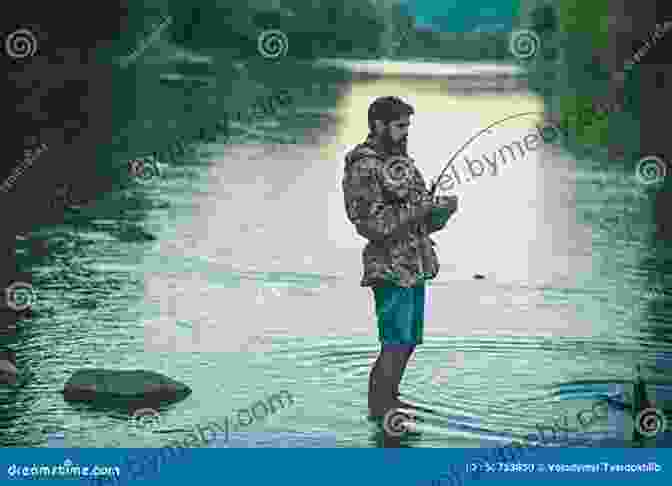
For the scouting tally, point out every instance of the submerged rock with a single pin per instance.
(127, 386)
(8, 371)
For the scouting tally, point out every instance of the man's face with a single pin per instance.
(398, 130)
(394, 135)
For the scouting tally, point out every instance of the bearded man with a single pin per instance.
(387, 201)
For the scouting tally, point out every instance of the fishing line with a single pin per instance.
(435, 184)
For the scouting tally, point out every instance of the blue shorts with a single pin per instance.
(401, 314)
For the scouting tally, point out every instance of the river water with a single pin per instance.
(250, 285)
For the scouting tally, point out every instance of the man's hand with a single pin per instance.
(427, 205)
(445, 204)
(443, 208)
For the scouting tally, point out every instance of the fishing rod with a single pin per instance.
(435, 184)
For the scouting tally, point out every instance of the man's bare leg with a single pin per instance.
(373, 375)
(407, 357)
(385, 379)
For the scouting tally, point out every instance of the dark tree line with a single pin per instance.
(333, 28)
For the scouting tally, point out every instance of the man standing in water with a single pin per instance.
(387, 201)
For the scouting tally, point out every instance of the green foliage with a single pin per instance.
(586, 17)
(586, 23)
(314, 29)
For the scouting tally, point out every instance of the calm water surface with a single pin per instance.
(252, 283)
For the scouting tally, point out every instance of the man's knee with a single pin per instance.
(405, 348)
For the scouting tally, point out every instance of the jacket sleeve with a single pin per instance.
(374, 219)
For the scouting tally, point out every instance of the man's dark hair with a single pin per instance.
(388, 109)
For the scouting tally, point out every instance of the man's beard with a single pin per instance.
(392, 147)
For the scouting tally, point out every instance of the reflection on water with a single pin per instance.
(237, 273)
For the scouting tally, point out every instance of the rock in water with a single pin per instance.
(123, 386)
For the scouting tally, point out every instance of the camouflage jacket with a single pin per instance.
(385, 212)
